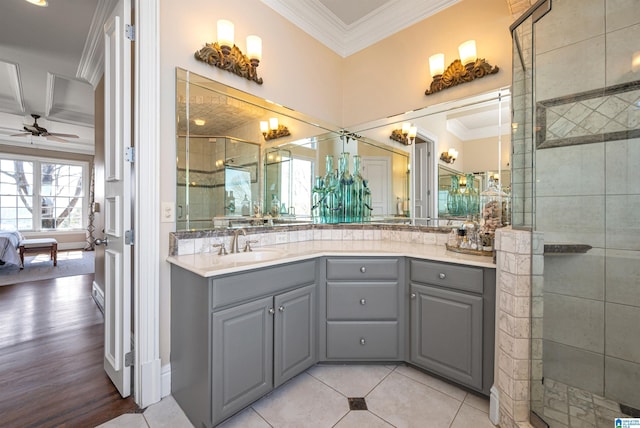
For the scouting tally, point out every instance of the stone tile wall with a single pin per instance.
(518, 261)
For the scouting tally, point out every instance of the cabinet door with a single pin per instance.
(242, 356)
(446, 333)
(295, 333)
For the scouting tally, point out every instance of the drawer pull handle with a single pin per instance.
(413, 295)
(281, 308)
(363, 301)
(442, 276)
(363, 269)
(271, 311)
(362, 341)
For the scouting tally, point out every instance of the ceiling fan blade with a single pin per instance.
(54, 138)
(20, 134)
(55, 134)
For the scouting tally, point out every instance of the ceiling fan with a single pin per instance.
(38, 131)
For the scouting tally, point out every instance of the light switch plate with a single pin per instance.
(168, 213)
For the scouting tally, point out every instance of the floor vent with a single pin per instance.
(357, 404)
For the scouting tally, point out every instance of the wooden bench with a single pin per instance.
(37, 246)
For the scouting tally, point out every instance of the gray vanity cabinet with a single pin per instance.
(236, 337)
(364, 309)
(452, 321)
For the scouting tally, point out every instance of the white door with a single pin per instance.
(117, 197)
(377, 171)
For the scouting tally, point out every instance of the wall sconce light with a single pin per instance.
(271, 129)
(449, 156)
(199, 122)
(406, 135)
(469, 67)
(226, 55)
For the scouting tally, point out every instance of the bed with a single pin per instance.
(9, 242)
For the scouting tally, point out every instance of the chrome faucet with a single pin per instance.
(234, 240)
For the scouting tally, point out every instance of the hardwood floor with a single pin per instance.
(51, 357)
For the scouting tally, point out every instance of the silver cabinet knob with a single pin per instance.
(442, 276)
(363, 269)
(272, 311)
(281, 308)
(363, 301)
(413, 295)
(362, 341)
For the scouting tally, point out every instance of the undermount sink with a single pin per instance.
(257, 255)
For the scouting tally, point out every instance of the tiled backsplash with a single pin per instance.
(183, 243)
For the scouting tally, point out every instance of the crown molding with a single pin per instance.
(91, 66)
(463, 133)
(316, 20)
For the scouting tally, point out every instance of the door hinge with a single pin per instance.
(130, 154)
(130, 32)
(128, 358)
(128, 237)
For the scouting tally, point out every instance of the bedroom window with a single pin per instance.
(46, 194)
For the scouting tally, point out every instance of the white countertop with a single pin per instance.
(211, 264)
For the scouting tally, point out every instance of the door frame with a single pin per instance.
(146, 123)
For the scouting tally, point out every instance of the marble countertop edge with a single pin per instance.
(212, 264)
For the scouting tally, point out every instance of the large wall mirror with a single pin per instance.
(233, 170)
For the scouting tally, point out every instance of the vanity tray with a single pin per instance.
(469, 251)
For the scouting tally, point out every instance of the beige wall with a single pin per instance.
(482, 154)
(391, 76)
(301, 73)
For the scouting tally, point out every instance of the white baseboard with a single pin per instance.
(166, 380)
(494, 406)
(98, 296)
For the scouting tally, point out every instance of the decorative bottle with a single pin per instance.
(245, 206)
(358, 191)
(454, 197)
(346, 189)
(275, 205)
(318, 201)
(472, 196)
(491, 201)
(330, 205)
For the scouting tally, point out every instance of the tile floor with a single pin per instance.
(396, 396)
(565, 406)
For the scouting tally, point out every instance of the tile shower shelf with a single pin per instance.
(566, 248)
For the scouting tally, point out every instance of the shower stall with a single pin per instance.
(576, 187)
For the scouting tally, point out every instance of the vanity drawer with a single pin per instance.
(447, 275)
(360, 269)
(241, 287)
(362, 340)
(362, 301)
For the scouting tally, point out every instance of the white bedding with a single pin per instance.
(9, 241)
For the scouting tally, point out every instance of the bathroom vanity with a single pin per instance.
(240, 330)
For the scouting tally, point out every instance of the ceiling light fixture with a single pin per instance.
(199, 122)
(41, 3)
(406, 135)
(225, 55)
(271, 129)
(469, 67)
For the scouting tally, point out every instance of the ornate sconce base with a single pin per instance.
(234, 61)
(282, 131)
(457, 73)
(398, 136)
(446, 157)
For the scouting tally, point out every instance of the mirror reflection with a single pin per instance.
(244, 161)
